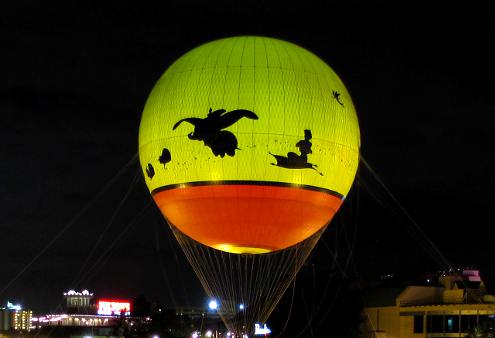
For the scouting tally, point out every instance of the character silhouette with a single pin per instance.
(150, 171)
(336, 96)
(165, 157)
(294, 161)
(209, 130)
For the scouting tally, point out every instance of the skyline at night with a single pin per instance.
(76, 213)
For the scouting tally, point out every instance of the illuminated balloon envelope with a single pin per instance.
(249, 146)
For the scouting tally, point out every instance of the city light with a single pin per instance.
(258, 330)
(11, 306)
(241, 306)
(114, 307)
(209, 333)
(213, 304)
(74, 293)
(194, 335)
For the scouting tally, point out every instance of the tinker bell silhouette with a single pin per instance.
(294, 161)
(336, 96)
(209, 130)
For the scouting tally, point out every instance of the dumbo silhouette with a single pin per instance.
(209, 130)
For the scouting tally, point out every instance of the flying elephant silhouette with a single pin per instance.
(209, 130)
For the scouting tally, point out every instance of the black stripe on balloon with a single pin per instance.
(239, 182)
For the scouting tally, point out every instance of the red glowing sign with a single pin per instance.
(114, 307)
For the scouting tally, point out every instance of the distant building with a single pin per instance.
(79, 302)
(74, 320)
(82, 311)
(458, 305)
(14, 318)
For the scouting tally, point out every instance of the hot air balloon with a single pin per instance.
(248, 146)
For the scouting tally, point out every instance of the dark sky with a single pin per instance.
(75, 76)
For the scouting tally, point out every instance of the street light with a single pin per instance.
(213, 304)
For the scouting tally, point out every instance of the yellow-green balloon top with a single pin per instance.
(250, 109)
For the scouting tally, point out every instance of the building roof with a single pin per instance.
(380, 297)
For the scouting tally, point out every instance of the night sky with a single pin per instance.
(74, 209)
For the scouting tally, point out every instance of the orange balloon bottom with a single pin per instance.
(247, 218)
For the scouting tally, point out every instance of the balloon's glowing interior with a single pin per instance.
(249, 144)
(247, 218)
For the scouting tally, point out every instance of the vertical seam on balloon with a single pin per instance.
(238, 96)
(254, 101)
(203, 67)
(322, 96)
(209, 94)
(198, 97)
(322, 106)
(308, 62)
(283, 89)
(181, 111)
(254, 108)
(298, 95)
(267, 135)
(308, 84)
(227, 68)
(296, 82)
(213, 71)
